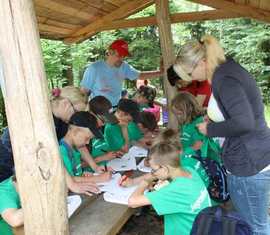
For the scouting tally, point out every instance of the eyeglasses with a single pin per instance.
(153, 171)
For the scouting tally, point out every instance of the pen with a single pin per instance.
(125, 177)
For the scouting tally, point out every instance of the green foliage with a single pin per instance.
(246, 40)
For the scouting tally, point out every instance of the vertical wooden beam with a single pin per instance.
(38, 166)
(166, 43)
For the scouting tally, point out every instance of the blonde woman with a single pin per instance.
(236, 111)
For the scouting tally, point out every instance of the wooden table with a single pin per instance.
(100, 218)
(95, 217)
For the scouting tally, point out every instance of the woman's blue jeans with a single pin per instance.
(250, 197)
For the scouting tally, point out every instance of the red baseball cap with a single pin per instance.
(121, 46)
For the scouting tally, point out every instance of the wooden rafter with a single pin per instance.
(245, 10)
(175, 18)
(126, 10)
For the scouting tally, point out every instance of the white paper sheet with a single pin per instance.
(73, 203)
(125, 163)
(137, 151)
(114, 192)
(143, 168)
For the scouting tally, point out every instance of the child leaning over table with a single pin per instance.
(179, 201)
(82, 128)
(189, 114)
(121, 135)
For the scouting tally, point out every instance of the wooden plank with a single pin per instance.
(254, 3)
(56, 16)
(44, 20)
(166, 44)
(38, 165)
(241, 1)
(265, 4)
(244, 10)
(65, 9)
(122, 12)
(100, 218)
(94, 7)
(117, 3)
(53, 29)
(175, 18)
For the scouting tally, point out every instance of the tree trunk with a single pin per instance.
(166, 43)
(38, 166)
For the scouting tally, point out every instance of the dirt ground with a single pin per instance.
(145, 222)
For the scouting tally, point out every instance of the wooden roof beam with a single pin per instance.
(175, 18)
(126, 10)
(244, 10)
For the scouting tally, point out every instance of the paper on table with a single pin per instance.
(138, 151)
(73, 203)
(114, 192)
(143, 168)
(125, 163)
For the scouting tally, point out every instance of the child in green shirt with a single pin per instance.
(120, 136)
(180, 200)
(145, 97)
(189, 114)
(11, 214)
(82, 128)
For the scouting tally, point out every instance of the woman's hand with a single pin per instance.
(202, 127)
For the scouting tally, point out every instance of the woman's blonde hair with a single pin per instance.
(165, 154)
(207, 48)
(189, 107)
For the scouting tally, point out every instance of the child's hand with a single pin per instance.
(87, 174)
(106, 176)
(111, 155)
(124, 148)
(146, 162)
(99, 169)
(197, 145)
(202, 127)
(125, 181)
(87, 188)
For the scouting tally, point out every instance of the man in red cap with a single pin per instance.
(105, 77)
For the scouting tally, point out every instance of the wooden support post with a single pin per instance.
(38, 166)
(166, 43)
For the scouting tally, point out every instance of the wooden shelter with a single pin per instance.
(38, 166)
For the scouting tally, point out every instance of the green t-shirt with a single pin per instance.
(189, 135)
(9, 198)
(114, 137)
(187, 160)
(99, 147)
(72, 159)
(180, 202)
